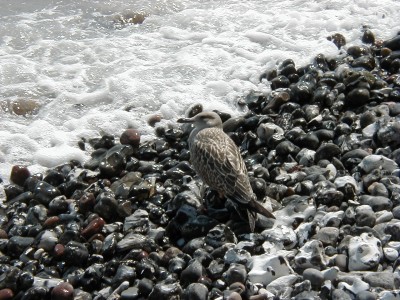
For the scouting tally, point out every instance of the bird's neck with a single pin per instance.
(193, 134)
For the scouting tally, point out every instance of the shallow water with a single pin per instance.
(86, 70)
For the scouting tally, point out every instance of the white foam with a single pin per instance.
(91, 78)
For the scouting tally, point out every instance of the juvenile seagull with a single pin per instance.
(218, 162)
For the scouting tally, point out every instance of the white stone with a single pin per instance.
(303, 232)
(266, 268)
(390, 253)
(281, 234)
(373, 161)
(357, 286)
(306, 257)
(235, 255)
(299, 208)
(365, 252)
(334, 218)
(340, 182)
(331, 273)
(389, 295)
(281, 284)
(383, 216)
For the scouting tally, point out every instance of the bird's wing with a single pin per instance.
(218, 161)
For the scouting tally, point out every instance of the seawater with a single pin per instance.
(89, 70)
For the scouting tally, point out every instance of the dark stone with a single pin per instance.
(130, 137)
(357, 97)
(315, 277)
(393, 44)
(327, 151)
(45, 192)
(166, 291)
(19, 174)
(17, 244)
(368, 37)
(195, 291)
(62, 291)
(193, 272)
(76, 254)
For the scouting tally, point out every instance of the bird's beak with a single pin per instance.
(185, 120)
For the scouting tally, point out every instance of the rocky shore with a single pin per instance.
(322, 150)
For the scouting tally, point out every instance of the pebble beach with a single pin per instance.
(322, 153)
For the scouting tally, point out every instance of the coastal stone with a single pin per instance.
(365, 216)
(328, 236)
(166, 291)
(19, 174)
(365, 252)
(45, 192)
(235, 273)
(383, 280)
(355, 285)
(195, 291)
(266, 268)
(315, 277)
(63, 291)
(377, 203)
(76, 254)
(130, 137)
(311, 255)
(366, 295)
(282, 286)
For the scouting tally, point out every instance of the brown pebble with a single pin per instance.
(338, 39)
(153, 120)
(23, 107)
(385, 52)
(51, 221)
(19, 174)
(93, 227)
(130, 137)
(62, 291)
(6, 294)
(86, 202)
(3, 234)
(169, 254)
(368, 37)
(106, 182)
(59, 250)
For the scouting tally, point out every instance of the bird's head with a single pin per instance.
(207, 119)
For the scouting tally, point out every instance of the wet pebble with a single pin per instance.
(62, 291)
(130, 137)
(19, 174)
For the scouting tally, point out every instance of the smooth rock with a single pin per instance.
(265, 268)
(383, 280)
(365, 252)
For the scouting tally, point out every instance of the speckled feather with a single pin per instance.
(218, 162)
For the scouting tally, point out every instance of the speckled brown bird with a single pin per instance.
(218, 162)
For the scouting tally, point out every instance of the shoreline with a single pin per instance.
(322, 152)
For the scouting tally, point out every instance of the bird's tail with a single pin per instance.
(252, 219)
(257, 207)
